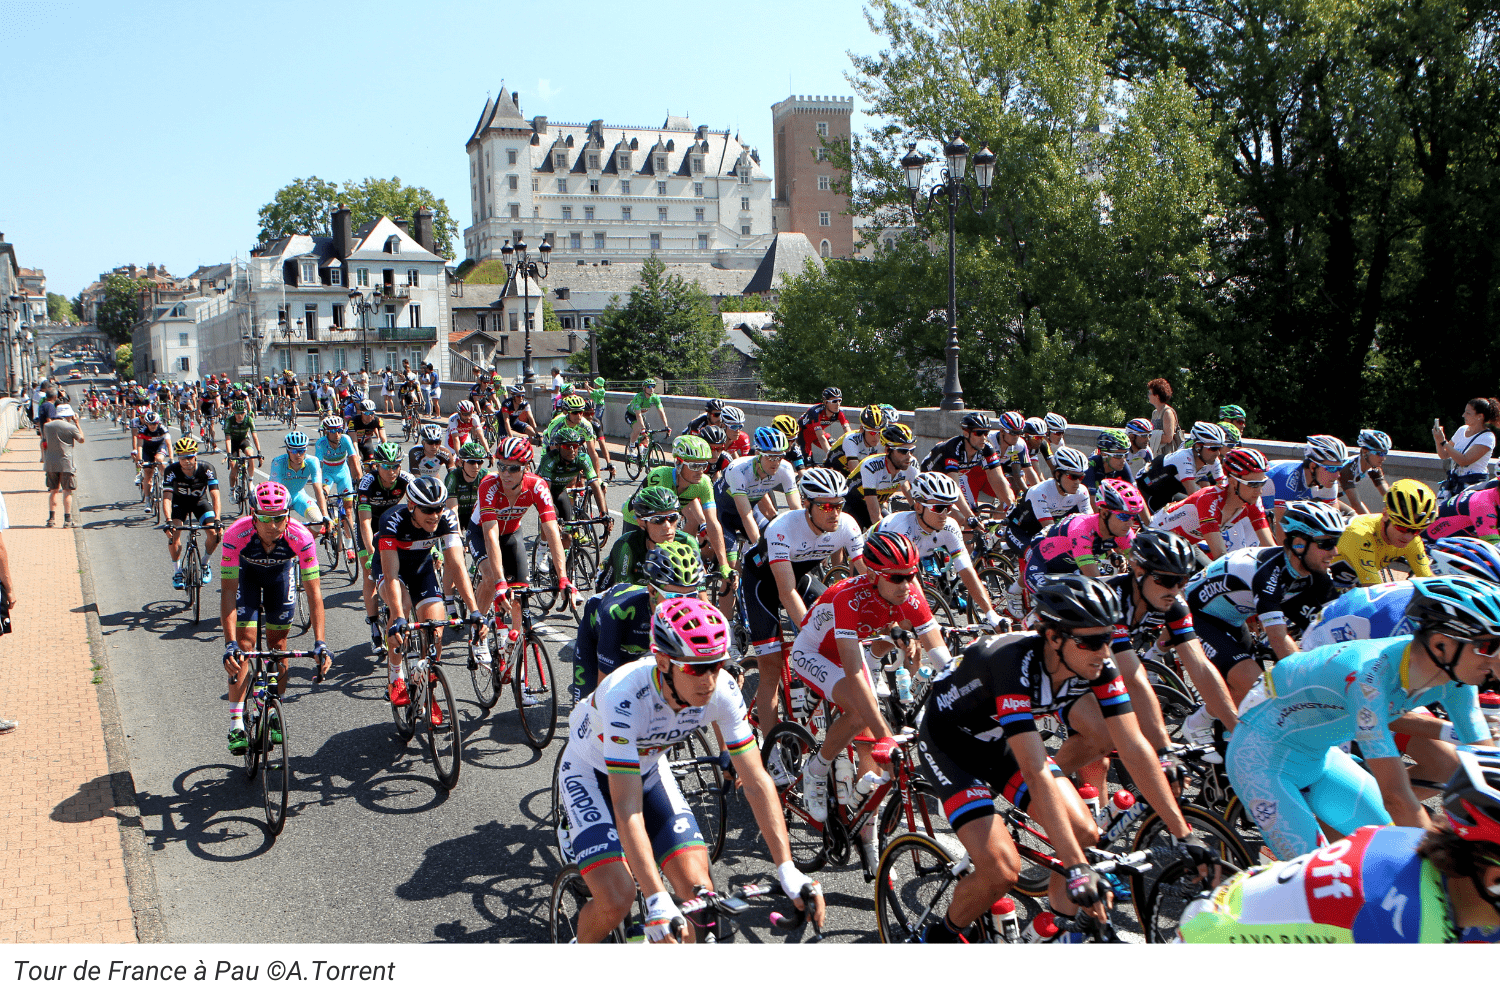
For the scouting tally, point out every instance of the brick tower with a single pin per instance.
(805, 199)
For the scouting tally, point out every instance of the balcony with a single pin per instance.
(393, 291)
(397, 333)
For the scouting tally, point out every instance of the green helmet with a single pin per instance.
(569, 435)
(238, 406)
(388, 451)
(1231, 432)
(654, 500)
(573, 404)
(472, 451)
(1113, 442)
(673, 564)
(1231, 412)
(691, 448)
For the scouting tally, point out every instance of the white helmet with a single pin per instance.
(934, 487)
(820, 484)
(1070, 460)
(1209, 435)
(1325, 449)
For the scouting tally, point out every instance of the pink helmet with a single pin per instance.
(686, 628)
(1121, 497)
(272, 498)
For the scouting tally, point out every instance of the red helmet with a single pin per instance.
(1243, 463)
(888, 552)
(514, 449)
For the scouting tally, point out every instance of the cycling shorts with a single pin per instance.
(305, 507)
(274, 588)
(337, 481)
(968, 793)
(207, 409)
(670, 822)
(202, 511)
(974, 484)
(421, 582)
(239, 446)
(1222, 642)
(149, 451)
(820, 673)
(514, 566)
(763, 607)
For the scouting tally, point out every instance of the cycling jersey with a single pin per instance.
(187, 493)
(699, 422)
(1099, 471)
(1363, 552)
(875, 476)
(1475, 511)
(151, 439)
(465, 491)
(666, 475)
(815, 419)
(377, 498)
(1070, 546)
(242, 550)
(1142, 633)
(419, 463)
(743, 478)
(1045, 500)
(1377, 612)
(334, 457)
(1166, 475)
(739, 445)
(413, 545)
(1257, 581)
(294, 480)
(239, 431)
(559, 473)
(1285, 482)
(549, 436)
(629, 551)
(641, 401)
(615, 629)
(791, 538)
(947, 538)
(364, 427)
(849, 450)
(494, 505)
(851, 609)
(1203, 511)
(460, 430)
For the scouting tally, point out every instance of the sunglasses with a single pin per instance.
(1127, 516)
(1168, 580)
(510, 470)
(901, 451)
(832, 505)
(1331, 468)
(699, 668)
(1485, 647)
(695, 466)
(473, 461)
(1256, 483)
(1073, 476)
(431, 510)
(388, 466)
(900, 577)
(1326, 544)
(661, 519)
(272, 518)
(1092, 643)
(297, 451)
(772, 454)
(940, 508)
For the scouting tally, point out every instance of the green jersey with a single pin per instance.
(466, 492)
(640, 401)
(666, 475)
(627, 555)
(240, 429)
(556, 472)
(558, 422)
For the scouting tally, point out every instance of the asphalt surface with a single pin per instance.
(374, 849)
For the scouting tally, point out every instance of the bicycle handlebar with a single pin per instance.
(190, 526)
(432, 625)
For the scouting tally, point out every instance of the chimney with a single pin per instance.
(401, 225)
(515, 98)
(150, 270)
(343, 234)
(424, 229)
(539, 124)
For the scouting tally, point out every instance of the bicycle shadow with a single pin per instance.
(210, 813)
(163, 618)
(371, 766)
(507, 871)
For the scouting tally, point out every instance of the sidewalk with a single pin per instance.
(62, 871)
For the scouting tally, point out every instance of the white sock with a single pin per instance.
(817, 767)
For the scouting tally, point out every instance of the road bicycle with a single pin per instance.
(410, 422)
(192, 564)
(429, 713)
(645, 451)
(570, 892)
(337, 543)
(518, 657)
(243, 488)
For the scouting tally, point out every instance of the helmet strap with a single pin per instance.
(1424, 638)
(671, 685)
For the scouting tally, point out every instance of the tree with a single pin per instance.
(751, 303)
(124, 361)
(59, 309)
(668, 328)
(121, 306)
(549, 316)
(306, 206)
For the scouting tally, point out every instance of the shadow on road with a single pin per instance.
(214, 812)
(507, 872)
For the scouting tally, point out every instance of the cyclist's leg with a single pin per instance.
(1268, 777)
(596, 849)
(676, 839)
(1347, 796)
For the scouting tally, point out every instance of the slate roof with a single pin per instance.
(788, 254)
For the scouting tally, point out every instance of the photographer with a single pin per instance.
(1470, 447)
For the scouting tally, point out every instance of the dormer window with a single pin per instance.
(560, 159)
(309, 273)
(622, 161)
(335, 276)
(593, 161)
(661, 164)
(393, 245)
(697, 164)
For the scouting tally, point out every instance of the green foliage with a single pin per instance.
(667, 328)
(489, 272)
(306, 206)
(59, 309)
(121, 306)
(124, 361)
(549, 316)
(77, 304)
(751, 303)
(463, 270)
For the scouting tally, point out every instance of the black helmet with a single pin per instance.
(714, 406)
(974, 422)
(833, 392)
(1073, 601)
(713, 434)
(1159, 551)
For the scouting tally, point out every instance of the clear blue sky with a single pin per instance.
(154, 132)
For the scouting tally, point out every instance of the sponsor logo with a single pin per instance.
(1332, 882)
(583, 804)
(1366, 720)
(1014, 703)
(1116, 687)
(947, 699)
(1263, 811)
(620, 740)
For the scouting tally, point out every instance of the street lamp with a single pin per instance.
(956, 155)
(518, 262)
(364, 306)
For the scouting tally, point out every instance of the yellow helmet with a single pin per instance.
(1411, 504)
(785, 423)
(186, 446)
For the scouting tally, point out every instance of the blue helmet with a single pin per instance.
(1474, 557)
(1457, 606)
(770, 439)
(296, 439)
(1311, 519)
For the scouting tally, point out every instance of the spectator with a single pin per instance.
(1166, 432)
(6, 725)
(60, 435)
(47, 411)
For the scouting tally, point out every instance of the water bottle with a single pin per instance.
(1090, 796)
(903, 684)
(1489, 704)
(869, 781)
(1119, 803)
(1006, 920)
(843, 779)
(635, 932)
(1042, 930)
(798, 699)
(924, 672)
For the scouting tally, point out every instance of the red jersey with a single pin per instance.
(854, 609)
(740, 446)
(1192, 515)
(533, 493)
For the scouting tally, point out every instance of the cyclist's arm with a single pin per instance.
(1047, 804)
(661, 412)
(860, 698)
(998, 486)
(786, 587)
(213, 495)
(715, 536)
(765, 804)
(314, 587)
(1209, 682)
(390, 584)
(1142, 698)
(363, 517)
(455, 575)
(554, 545)
(1395, 789)
(747, 519)
(1140, 759)
(625, 794)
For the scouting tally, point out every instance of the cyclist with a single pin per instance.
(645, 399)
(463, 425)
(973, 462)
(150, 444)
(1046, 502)
(658, 512)
(1078, 542)
(738, 444)
(411, 398)
(261, 552)
(1314, 477)
(297, 474)
(1233, 414)
(382, 487)
(1474, 512)
(779, 573)
(993, 694)
(1187, 469)
(717, 461)
(616, 624)
(339, 459)
(482, 393)
(743, 495)
(687, 479)
(593, 419)
(189, 488)
(1374, 446)
(566, 464)
(1373, 541)
(712, 415)
(787, 424)
(239, 433)
(404, 543)
(1284, 759)
(1212, 518)
(516, 418)
(367, 429)
(624, 807)
(430, 458)
(1013, 440)
(878, 477)
(571, 415)
(1283, 586)
(1053, 427)
(851, 448)
(1108, 461)
(463, 483)
(208, 410)
(819, 416)
(932, 531)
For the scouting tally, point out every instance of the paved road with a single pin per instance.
(374, 849)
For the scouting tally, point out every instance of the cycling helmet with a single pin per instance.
(1159, 551)
(1113, 442)
(1243, 463)
(1012, 422)
(1231, 412)
(872, 418)
(714, 406)
(833, 392)
(1471, 799)
(368, 405)
(673, 564)
(565, 390)
(1056, 423)
(296, 439)
(1456, 556)
(1072, 601)
(331, 423)
(1411, 504)
(888, 552)
(1311, 519)
(272, 498)
(186, 446)
(686, 628)
(891, 414)
(1325, 449)
(691, 448)
(572, 404)
(412, 377)
(514, 449)
(152, 417)
(713, 434)
(432, 433)
(1069, 460)
(1120, 497)
(1035, 426)
(770, 439)
(1208, 435)
(897, 435)
(472, 451)
(426, 491)
(974, 422)
(649, 383)
(388, 451)
(1377, 441)
(820, 484)
(515, 390)
(1457, 606)
(786, 424)
(238, 406)
(569, 435)
(654, 500)
(934, 487)
(1231, 434)
(464, 406)
(733, 417)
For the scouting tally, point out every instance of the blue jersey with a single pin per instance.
(334, 457)
(1320, 698)
(1285, 483)
(295, 479)
(1377, 612)
(616, 629)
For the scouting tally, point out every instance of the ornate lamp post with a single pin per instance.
(364, 305)
(956, 155)
(518, 262)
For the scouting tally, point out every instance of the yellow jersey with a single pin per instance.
(1363, 552)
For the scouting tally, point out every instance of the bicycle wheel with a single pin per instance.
(582, 566)
(485, 678)
(569, 893)
(276, 772)
(695, 765)
(1153, 836)
(192, 580)
(535, 691)
(543, 579)
(657, 455)
(445, 740)
(633, 461)
(941, 610)
(304, 611)
(784, 752)
(241, 495)
(997, 586)
(252, 719)
(558, 817)
(913, 887)
(1177, 885)
(332, 544)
